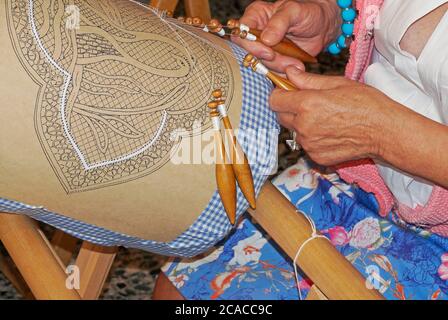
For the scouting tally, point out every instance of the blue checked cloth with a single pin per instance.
(258, 135)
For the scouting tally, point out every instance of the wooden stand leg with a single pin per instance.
(198, 8)
(320, 261)
(315, 294)
(165, 290)
(64, 245)
(94, 263)
(169, 5)
(34, 257)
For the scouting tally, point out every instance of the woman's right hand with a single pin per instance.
(310, 24)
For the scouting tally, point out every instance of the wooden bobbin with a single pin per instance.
(236, 24)
(233, 24)
(236, 32)
(240, 163)
(216, 27)
(197, 22)
(243, 34)
(250, 61)
(285, 47)
(225, 177)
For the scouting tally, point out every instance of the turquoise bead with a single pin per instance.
(347, 29)
(348, 15)
(342, 41)
(344, 3)
(334, 49)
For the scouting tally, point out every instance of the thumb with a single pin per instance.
(310, 81)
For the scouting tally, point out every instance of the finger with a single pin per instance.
(293, 101)
(253, 20)
(308, 81)
(283, 101)
(280, 63)
(271, 59)
(287, 15)
(257, 15)
(258, 49)
(286, 120)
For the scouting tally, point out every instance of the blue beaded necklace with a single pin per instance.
(348, 14)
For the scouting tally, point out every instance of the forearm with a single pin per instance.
(415, 144)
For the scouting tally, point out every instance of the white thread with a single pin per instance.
(187, 49)
(175, 23)
(217, 47)
(216, 123)
(222, 110)
(67, 79)
(251, 37)
(244, 27)
(170, 25)
(261, 69)
(314, 235)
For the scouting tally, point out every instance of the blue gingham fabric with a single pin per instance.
(258, 136)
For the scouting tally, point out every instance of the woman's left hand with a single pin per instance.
(336, 119)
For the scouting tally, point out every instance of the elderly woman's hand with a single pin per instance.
(336, 119)
(310, 24)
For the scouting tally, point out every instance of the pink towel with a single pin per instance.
(434, 216)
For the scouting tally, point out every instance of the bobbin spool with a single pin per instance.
(233, 23)
(225, 177)
(250, 61)
(240, 163)
(243, 35)
(197, 22)
(216, 27)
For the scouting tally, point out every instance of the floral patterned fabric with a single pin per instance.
(401, 261)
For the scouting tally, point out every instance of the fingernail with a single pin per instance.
(295, 69)
(268, 37)
(299, 67)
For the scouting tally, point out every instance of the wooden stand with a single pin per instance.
(37, 262)
(165, 290)
(334, 277)
(94, 263)
(42, 269)
(332, 274)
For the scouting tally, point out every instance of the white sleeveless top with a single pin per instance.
(419, 84)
